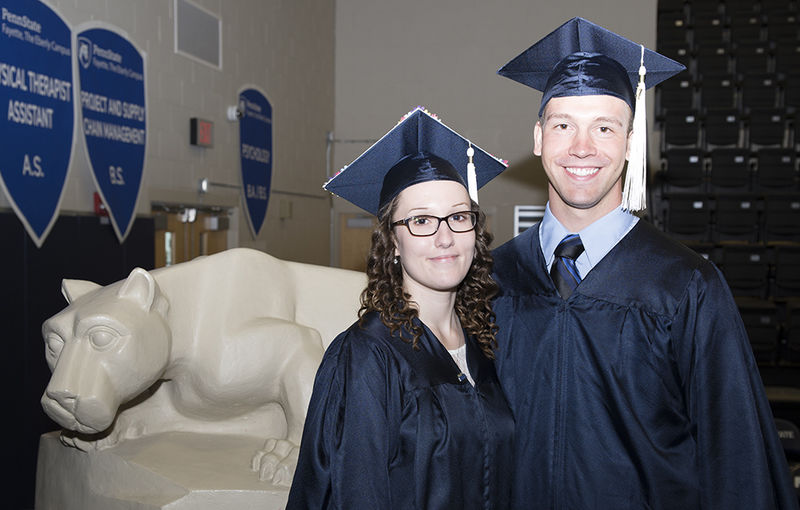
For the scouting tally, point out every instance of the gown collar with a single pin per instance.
(442, 363)
(521, 267)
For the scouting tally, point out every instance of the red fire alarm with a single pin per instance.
(99, 206)
(201, 132)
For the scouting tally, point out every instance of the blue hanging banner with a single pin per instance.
(111, 80)
(37, 91)
(255, 153)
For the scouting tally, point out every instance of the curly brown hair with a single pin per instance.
(384, 292)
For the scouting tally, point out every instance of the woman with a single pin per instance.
(407, 411)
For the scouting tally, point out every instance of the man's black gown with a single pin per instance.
(640, 390)
(390, 427)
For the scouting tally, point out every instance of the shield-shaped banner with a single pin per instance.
(255, 153)
(111, 77)
(37, 90)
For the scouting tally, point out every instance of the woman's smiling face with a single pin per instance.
(441, 261)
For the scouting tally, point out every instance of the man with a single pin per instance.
(622, 353)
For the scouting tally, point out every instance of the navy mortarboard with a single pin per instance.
(580, 58)
(420, 148)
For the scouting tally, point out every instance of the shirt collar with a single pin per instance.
(598, 238)
(551, 232)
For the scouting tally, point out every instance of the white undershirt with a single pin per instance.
(460, 357)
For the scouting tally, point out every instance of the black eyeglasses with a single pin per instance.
(427, 225)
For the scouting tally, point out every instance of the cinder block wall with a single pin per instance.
(284, 48)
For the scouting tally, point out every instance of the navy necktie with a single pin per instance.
(563, 271)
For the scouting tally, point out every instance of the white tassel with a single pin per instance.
(634, 195)
(472, 178)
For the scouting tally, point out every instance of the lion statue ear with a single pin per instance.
(141, 288)
(73, 289)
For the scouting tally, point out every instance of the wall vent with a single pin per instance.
(526, 216)
(198, 33)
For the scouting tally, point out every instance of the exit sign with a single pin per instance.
(201, 132)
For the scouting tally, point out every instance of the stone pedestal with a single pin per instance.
(170, 471)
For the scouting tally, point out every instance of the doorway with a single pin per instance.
(185, 232)
(355, 231)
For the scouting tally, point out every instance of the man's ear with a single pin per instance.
(628, 145)
(537, 139)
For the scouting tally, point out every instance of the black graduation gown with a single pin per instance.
(390, 427)
(639, 391)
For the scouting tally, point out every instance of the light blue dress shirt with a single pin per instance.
(598, 238)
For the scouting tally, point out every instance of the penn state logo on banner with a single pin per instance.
(255, 153)
(36, 87)
(84, 52)
(111, 80)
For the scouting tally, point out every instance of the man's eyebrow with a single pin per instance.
(559, 115)
(567, 116)
(610, 120)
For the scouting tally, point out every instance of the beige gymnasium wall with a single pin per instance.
(283, 47)
(443, 54)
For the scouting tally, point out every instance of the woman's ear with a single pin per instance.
(393, 239)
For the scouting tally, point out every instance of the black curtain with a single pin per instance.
(78, 247)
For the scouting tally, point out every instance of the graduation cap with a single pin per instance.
(580, 58)
(419, 148)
